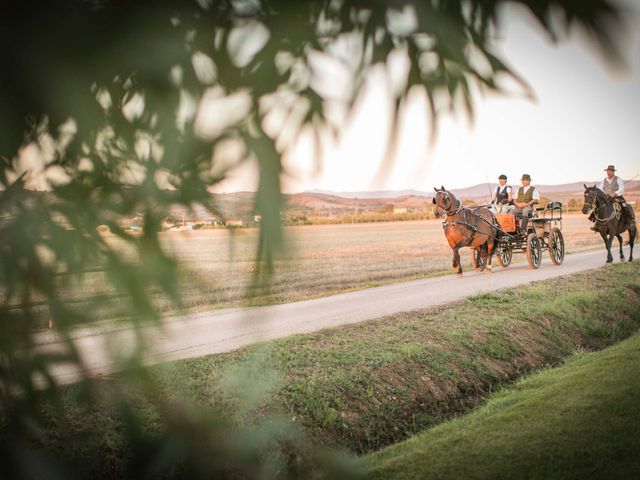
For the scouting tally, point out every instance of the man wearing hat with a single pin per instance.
(613, 186)
(526, 198)
(502, 197)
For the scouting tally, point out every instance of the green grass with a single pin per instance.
(366, 386)
(581, 420)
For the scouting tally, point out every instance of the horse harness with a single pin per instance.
(594, 207)
(467, 212)
(469, 216)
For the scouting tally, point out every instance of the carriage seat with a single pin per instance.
(507, 222)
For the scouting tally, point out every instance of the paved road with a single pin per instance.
(221, 331)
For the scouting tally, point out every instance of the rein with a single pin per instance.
(467, 223)
(455, 212)
(594, 207)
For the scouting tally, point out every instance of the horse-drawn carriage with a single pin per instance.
(479, 229)
(543, 233)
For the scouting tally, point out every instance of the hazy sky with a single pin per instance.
(585, 117)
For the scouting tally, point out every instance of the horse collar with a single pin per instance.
(455, 212)
(446, 223)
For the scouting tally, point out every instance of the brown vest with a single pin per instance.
(610, 187)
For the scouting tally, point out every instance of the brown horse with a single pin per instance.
(465, 227)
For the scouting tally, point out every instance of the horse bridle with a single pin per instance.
(448, 212)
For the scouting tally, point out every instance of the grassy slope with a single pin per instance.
(363, 387)
(366, 386)
(581, 420)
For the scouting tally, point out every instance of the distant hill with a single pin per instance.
(326, 204)
(315, 201)
(371, 194)
(473, 192)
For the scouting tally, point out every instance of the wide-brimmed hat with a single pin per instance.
(502, 177)
(526, 176)
(610, 167)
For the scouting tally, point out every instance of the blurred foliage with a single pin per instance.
(120, 108)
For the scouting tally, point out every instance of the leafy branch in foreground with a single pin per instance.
(116, 109)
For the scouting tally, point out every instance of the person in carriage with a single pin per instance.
(502, 198)
(526, 197)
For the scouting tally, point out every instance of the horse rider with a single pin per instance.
(502, 198)
(525, 199)
(613, 186)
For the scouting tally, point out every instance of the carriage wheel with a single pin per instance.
(479, 262)
(556, 246)
(505, 254)
(534, 250)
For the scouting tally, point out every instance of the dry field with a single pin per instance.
(324, 259)
(217, 266)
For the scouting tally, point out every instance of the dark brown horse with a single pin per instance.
(610, 222)
(466, 227)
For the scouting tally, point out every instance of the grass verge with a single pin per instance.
(366, 386)
(580, 420)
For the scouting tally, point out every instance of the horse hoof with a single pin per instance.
(459, 276)
(489, 269)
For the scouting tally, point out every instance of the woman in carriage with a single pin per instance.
(502, 198)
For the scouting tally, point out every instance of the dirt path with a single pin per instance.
(221, 331)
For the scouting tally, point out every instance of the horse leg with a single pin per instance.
(480, 251)
(491, 245)
(633, 234)
(609, 242)
(484, 252)
(457, 266)
(606, 244)
(619, 237)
